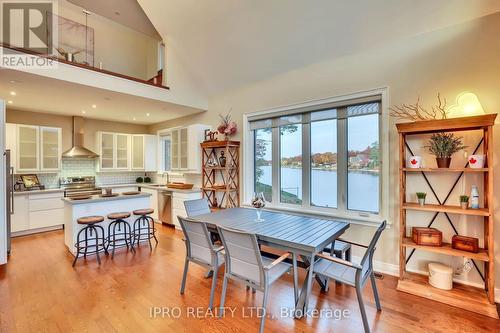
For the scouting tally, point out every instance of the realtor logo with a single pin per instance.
(28, 33)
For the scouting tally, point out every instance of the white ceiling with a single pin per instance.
(227, 44)
(125, 12)
(42, 94)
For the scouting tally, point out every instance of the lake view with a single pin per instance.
(362, 187)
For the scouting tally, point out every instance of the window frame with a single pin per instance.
(341, 211)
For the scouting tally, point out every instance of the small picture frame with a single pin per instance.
(31, 181)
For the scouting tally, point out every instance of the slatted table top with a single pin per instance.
(280, 229)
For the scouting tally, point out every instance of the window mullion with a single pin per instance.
(342, 160)
(275, 179)
(306, 162)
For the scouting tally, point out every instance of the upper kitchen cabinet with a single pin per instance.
(122, 151)
(126, 152)
(181, 146)
(144, 148)
(34, 148)
(50, 148)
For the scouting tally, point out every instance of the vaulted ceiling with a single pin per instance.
(226, 44)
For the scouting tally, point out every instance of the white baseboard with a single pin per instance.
(35, 231)
(393, 270)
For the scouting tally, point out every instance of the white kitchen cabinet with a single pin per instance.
(153, 202)
(50, 148)
(106, 142)
(34, 211)
(34, 148)
(144, 152)
(122, 151)
(28, 148)
(178, 209)
(19, 219)
(185, 152)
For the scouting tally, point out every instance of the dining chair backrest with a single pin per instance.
(196, 207)
(367, 260)
(243, 258)
(198, 243)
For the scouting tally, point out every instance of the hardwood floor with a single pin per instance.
(41, 292)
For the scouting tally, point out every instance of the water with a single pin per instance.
(363, 188)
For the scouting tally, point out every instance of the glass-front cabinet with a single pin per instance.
(122, 151)
(50, 148)
(183, 161)
(28, 146)
(34, 148)
(138, 152)
(179, 148)
(175, 150)
(107, 153)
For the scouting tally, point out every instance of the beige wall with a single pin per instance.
(90, 127)
(449, 61)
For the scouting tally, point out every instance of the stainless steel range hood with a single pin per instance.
(78, 150)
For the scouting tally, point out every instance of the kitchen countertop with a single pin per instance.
(97, 198)
(153, 186)
(48, 190)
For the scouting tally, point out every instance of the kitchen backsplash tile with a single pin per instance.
(86, 167)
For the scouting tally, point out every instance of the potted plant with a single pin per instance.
(421, 198)
(443, 145)
(464, 201)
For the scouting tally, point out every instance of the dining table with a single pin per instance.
(304, 236)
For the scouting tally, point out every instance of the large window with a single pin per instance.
(325, 158)
(263, 162)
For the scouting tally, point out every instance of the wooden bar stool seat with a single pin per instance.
(90, 239)
(90, 219)
(144, 228)
(145, 211)
(121, 215)
(119, 232)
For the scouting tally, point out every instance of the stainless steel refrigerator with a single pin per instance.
(9, 195)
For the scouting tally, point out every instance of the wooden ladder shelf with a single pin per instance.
(221, 184)
(479, 300)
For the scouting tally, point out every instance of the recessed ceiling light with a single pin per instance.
(147, 114)
(94, 106)
(133, 119)
(13, 93)
(13, 81)
(10, 102)
(117, 13)
(84, 112)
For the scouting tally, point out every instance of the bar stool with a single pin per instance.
(144, 228)
(119, 232)
(91, 242)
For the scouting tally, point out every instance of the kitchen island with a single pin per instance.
(100, 206)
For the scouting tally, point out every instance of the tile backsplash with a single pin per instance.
(87, 167)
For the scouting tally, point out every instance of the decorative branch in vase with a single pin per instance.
(415, 112)
(227, 127)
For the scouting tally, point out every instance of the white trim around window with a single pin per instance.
(352, 216)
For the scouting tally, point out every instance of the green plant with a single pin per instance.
(139, 180)
(421, 195)
(464, 198)
(443, 145)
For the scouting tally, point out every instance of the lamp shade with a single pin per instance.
(467, 104)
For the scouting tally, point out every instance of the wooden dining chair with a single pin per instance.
(200, 250)
(196, 207)
(355, 275)
(245, 263)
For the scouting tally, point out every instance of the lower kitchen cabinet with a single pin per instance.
(178, 209)
(33, 211)
(154, 202)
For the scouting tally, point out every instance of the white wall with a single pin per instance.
(449, 61)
